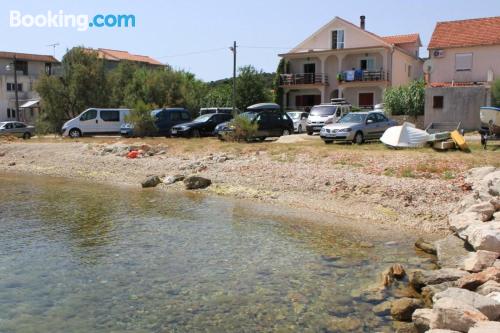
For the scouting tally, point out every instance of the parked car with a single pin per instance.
(271, 123)
(204, 125)
(357, 127)
(164, 120)
(299, 119)
(217, 110)
(95, 121)
(17, 128)
(325, 114)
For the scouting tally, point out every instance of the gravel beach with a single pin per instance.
(412, 189)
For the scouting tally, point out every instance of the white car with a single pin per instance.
(299, 120)
(95, 121)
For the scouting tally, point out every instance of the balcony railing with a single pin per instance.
(362, 75)
(303, 78)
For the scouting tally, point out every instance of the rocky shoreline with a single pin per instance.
(463, 295)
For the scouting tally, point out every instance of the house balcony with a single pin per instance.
(304, 79)
(363, 77)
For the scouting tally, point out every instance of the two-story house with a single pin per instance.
(344, 60)
(28, 68)
(464, 61)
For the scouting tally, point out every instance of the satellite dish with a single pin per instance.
(428, 66)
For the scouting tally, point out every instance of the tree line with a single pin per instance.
(85, 81)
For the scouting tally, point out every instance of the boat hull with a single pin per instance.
(490, 118)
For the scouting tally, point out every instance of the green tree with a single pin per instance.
(119, 78)
(495, 93)
(251, 87)
(219, 96)
(140, 117)
(278, 91)
(406, 100)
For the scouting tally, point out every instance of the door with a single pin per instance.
(371, 127)
(110, 121)
(309, 73)
(382, 124)
(89, 122)
(19, 129)
(367, 64)
(365, 100)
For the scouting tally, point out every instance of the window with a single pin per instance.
(185, 116)
(8, 113)
(8, 126)
(12, 87)
(337, 39)
(89, 115)
(13, 113)
(32, 112)
(463, 61)
(48, 68)
(380, 117)
(175, 116)
(438, 102)
(110, 115)
(19, 125)
(371, 119)
(22, 66)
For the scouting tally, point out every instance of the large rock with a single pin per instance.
(451, 252)
(425, 246)
(403, 308)
(382, 309)
(420, 279)
(460, 222)
(483, 236)
(484, 209)
(474, 175)
(421, 319)
(151, 181)
(438, 330)
(429, 291)
(472, 281)
(477, 261)
(173, 179)
(196, 182)
(455, 315)
(494, 296)
(487, 306)
(486, 327)
(488, 287)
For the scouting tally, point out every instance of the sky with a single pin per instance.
(195, 35)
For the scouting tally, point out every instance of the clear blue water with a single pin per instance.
(78, 257)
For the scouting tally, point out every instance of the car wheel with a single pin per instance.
(195, 133)
(358, 138)
(26, 135)
(309, 133)
(285, 132)
(299, 129)
(328, 142)
(75, 133)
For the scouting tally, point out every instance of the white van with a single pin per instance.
(95, 121)
(324, 114)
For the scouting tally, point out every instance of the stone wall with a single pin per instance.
(419, 122)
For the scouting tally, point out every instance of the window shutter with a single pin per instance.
(334, 39)
(463, 61)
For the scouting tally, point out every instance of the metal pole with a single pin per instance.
(15, 89)
(234, 76)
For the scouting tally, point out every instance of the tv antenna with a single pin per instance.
(53, 46)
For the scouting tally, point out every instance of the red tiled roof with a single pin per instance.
(402, 39)
(474, 32)
(116, 55)
(28, 56)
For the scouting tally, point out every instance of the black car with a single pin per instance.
(202, 126)
(166, 118)
(271, 123)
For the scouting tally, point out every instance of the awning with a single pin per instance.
(30, 104)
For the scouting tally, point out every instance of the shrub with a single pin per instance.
(406, 100)
(243, 128)
(140, 118)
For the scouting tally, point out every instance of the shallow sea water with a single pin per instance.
(77, 257)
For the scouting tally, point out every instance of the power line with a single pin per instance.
(193, 53)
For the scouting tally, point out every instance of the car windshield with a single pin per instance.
(326, 110)
(294, 115)
(353, 118)
(203, 119)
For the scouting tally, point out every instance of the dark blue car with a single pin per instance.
(164, 120)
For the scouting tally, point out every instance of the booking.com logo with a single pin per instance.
(81, 22)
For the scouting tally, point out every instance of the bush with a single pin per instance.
(406, 100)
(140, 118)
(44, 127)
(495, 93)
(243, 128)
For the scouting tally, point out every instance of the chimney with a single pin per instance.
(362, 22)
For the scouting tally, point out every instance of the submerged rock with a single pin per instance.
(151, 181)
(403, 308)
(420, 279)
(425, 246)
(196, 182)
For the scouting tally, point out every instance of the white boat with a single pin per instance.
(490, 118)
(405, 136)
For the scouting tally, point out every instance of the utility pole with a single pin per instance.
(233, 48)
(15, 88)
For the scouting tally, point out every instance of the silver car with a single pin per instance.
(17, 128)
(357, 127)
